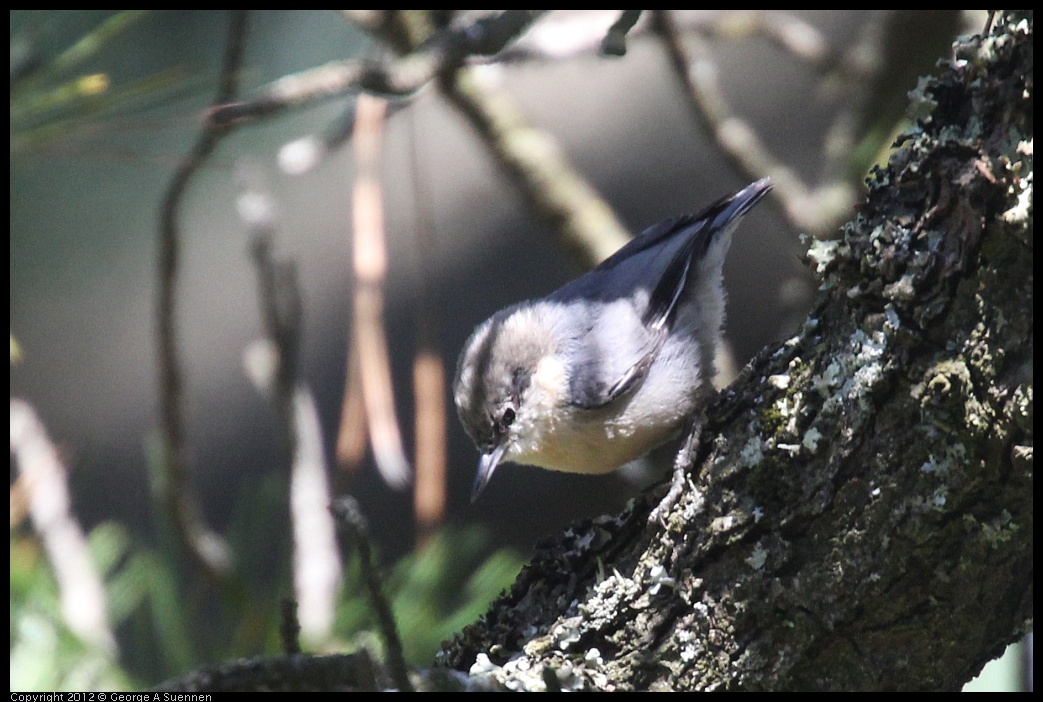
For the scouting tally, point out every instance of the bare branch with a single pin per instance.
(347, 512)
(615, 41)
(442, 52)
(206, 547)
(866, 75)
(532, 159)
(273, 366)
(369, 258)
(289, 627)
(739, 141)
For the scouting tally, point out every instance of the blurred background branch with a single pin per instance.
(42, 486)
(274, 367)
(369, 348)
(206, 546)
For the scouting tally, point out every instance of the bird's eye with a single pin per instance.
(507, 418)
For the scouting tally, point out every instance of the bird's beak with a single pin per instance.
(486, 465)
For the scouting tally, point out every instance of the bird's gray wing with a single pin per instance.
(624, 335)
(651, 274)
(613, 358)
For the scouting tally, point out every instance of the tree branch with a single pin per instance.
(207, 548)
(443, 50)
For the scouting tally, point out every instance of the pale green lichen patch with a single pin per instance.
(859, 370)
(758, 557)
(811, 438)
(1019, 163)
(753, 452)
(564, 674)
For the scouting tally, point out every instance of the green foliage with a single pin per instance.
(83, 86)
(170, 623)
(434, 592)
(45, 655)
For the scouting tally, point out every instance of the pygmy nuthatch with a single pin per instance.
(611, 365)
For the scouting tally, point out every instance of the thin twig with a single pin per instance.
(569, 34)
(316, 560)
(207, 548)
(369, 258)
(429, 496)
(532, 158)
(813, 208)
(615, 41)
(349, 516)
(317, 564)
(289, 626)
(447, 48)
(697, 74)
(281, 312)
(791, 34)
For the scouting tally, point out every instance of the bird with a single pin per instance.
(611, 365)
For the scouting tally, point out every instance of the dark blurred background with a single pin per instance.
(84, 222)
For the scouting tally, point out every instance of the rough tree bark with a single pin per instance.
(862, 516)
